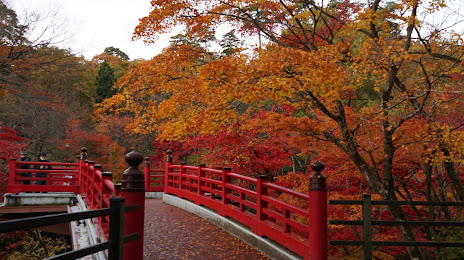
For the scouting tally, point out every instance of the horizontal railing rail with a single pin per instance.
(253, 202)
(154, 178)
(367, 223)
(96, 188)
(27, 177)
(116, 239)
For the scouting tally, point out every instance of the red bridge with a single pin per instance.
(244, 206)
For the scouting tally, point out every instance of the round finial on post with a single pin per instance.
(147, 161)
(317, 181)
(83, 154)
(317, 166)
(169, 156)
(133, 178)
(134, 159)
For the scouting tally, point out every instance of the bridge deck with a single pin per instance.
(172, 233)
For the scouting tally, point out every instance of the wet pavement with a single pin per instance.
(172, 233)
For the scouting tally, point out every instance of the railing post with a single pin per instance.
(133, 190)
(117, 189)
(12, 176)
(97, 181)
(317, 213)
(116, 232)
(260, 203)
(225, 182)
(90, 183)
(81, 158)
(367, 226)
(181, 173)
(105, 190)
(166, 169)
(201, 175)
(147, 172)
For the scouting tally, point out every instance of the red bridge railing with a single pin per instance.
(255, 203)
(154, 178)
(63, 177)
(96, 188)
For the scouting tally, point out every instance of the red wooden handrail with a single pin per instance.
(63, 177)
(260, 209)
(96, 188)
(154, 178)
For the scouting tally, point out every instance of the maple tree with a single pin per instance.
(368, 81)
(101, 148)
(12, 145)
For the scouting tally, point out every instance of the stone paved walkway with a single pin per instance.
(172, 233)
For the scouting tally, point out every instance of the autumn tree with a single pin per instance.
(370, 81)
(12, 144)
(17, 46)
(58, 92)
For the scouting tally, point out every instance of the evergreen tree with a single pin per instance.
(105, 81)
(116, 52)
(229, 42)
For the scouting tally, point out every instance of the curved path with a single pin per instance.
(172, 233)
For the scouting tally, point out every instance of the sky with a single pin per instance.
(93, 25)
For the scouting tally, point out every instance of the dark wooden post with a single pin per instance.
(367, 226)
(116, 232)
(147, 172)
(317, 213)
(133, 190)
(167, 170)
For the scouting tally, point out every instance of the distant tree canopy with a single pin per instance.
(116, 52)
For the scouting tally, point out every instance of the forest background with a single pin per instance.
(372, 89)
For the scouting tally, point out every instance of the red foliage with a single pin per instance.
(11, 145)
(247, 152)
